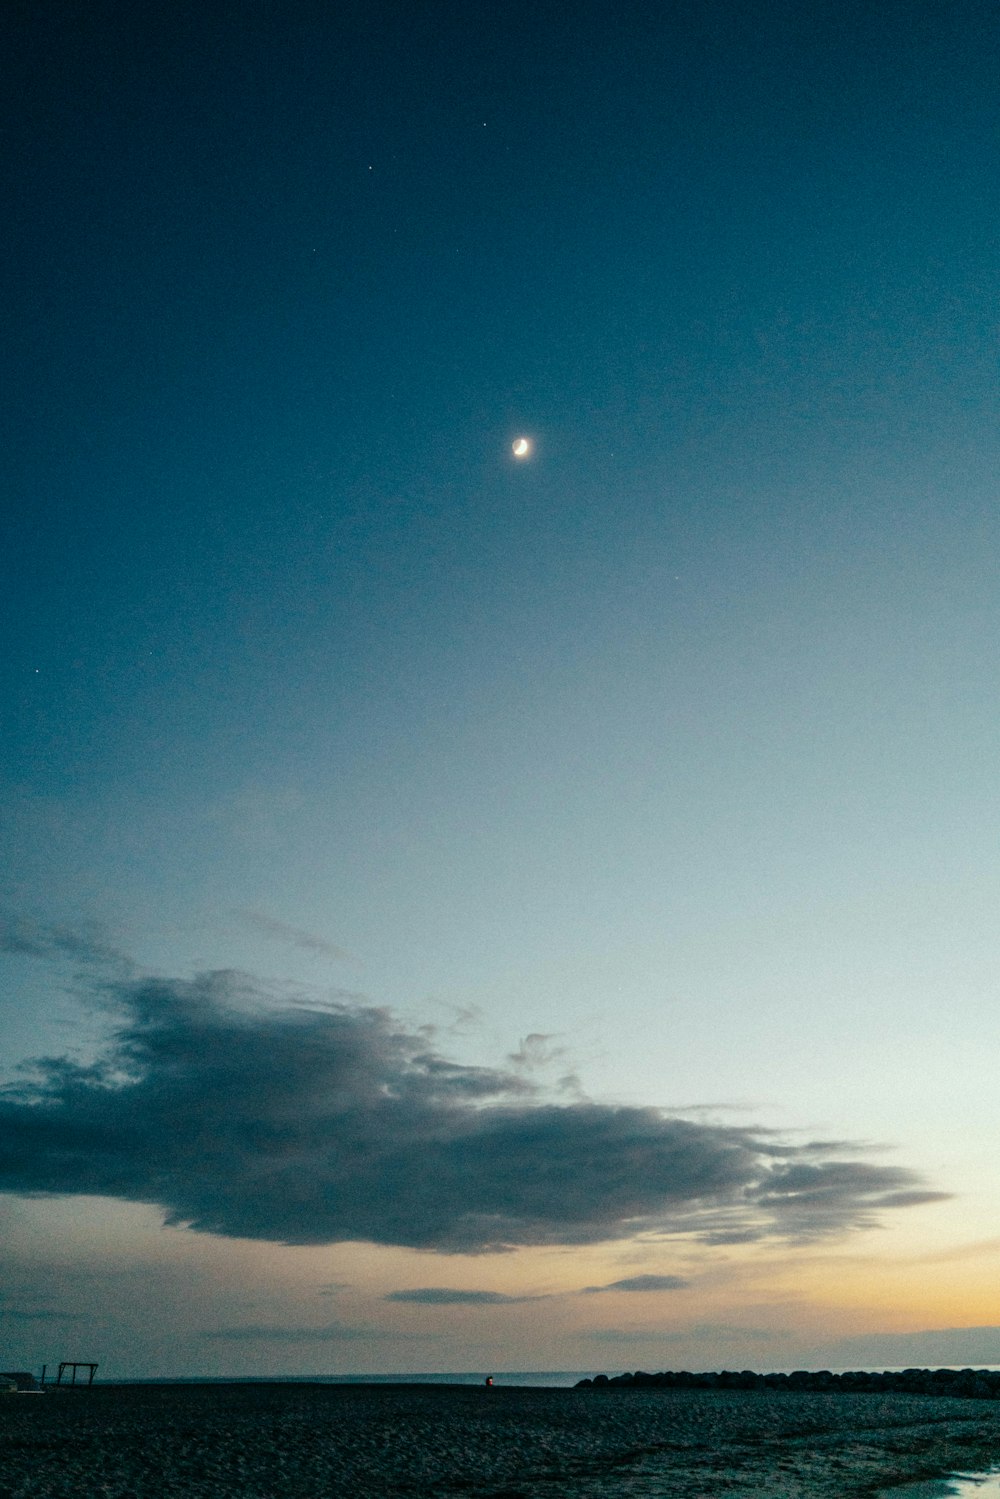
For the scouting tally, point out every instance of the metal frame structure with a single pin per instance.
(68, 1364)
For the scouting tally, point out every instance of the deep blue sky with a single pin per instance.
(283, 283)
(677, 742)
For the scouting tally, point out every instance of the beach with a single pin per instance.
(280, 1441)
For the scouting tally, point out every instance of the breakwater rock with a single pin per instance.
(975, 1384)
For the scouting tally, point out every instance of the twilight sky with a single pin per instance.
(459, 912)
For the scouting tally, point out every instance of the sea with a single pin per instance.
(553, 1379)
(550, 1379)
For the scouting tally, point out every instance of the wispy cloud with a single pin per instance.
(294, 936)
(974, 1250)
(625, 1335)
(931, 1346)
(640, 1283)
(23, 936)
(701, 1332)
(443, 1296)
(331, 1333)
(12, 1314)
(243, 1115)
(536, 1051)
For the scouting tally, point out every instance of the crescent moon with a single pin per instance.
(521, 447)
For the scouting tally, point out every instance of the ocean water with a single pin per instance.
(555, 1379)
(551, 1379)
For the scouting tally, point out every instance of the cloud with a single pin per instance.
(243, 1115)
(808, 1196)
(331, 1333)
(708, 1331)
(442, 1296)
(701, 1332)
(930, 1348)
(295, 936)
(976, 1249)
(625, 1335)
(535, 1051)
(41, 1316)
(640, 1283)
(21, 936)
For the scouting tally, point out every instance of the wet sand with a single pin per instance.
(282, 1441)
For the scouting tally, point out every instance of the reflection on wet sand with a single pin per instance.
(955, 1486)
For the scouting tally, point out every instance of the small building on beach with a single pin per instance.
(23, 1382)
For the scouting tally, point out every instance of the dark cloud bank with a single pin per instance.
(309, 1125)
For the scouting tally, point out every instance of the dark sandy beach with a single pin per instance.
(276, 1441)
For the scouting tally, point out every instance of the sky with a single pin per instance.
(468, 912)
